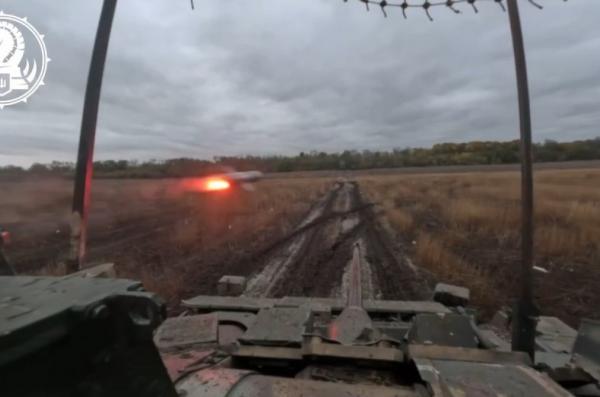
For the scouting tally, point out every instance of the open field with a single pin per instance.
(178, 243)
(297, 235)
(464, 228)
(289, 237)
(440, 169)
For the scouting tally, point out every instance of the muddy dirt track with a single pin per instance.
(178, 251)
(314, 260)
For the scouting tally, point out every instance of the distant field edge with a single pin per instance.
(441, 169)
(555, 165)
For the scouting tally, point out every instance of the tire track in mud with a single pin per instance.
(315, 259)
(396, 276)
(280, 261)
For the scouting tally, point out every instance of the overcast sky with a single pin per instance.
(283, 76)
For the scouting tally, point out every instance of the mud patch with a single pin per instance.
(316, 262)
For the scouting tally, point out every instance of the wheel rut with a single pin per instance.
(315, 259)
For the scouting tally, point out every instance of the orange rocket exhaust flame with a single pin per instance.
(215, 184)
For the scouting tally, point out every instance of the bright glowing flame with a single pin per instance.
(217, 184)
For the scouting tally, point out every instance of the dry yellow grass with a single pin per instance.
(401, 220)
(176, 242)
(466, 230)
(431, 253)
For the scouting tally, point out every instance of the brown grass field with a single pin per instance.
(153, 230)
(460, 227)
(464, 229)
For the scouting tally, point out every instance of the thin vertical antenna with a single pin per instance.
(524, 320)
(85, 155)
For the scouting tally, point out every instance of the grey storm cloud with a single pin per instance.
(282, 76)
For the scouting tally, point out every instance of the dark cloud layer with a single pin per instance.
(283, 76)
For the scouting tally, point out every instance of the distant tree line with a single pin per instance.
(469, 153)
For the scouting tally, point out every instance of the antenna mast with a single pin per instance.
(524, 316)
(85, 155)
